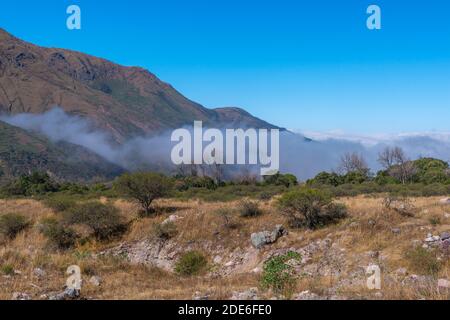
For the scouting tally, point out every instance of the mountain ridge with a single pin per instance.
(125, 101)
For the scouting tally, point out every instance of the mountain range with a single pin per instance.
(125, 102)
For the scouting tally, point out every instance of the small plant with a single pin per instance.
(104, 220)
(59, 236)
(59, 203)
(423, 261)
(11, 224)
(278, 275)
(165, 231)
(227, 217)
(7, 269)
(435, 220)
(191, 263)
(249, 209)
(311, 208)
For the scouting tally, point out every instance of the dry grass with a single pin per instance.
(368, 228)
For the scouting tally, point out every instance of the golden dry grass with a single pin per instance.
(368, 228)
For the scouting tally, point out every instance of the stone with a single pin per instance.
(172, 218)
(306, 295)
(21, 296)
(445, 236)
(444, 201)
(443, 284)
(395, 230)
(67, 294)
(95, 281)
(217, 259)
(401, 271)
(38, 272)
(200, 296)
(260, 239)
(250, 294)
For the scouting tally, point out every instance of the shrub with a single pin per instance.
(191, 263)
(249, 209)
(7, 269)
(104, 220)
(165, 231)
(311, 208)
(37, 183)
(11, 224)
(423, 261)
(278, 275)
(143, 188)
(227, 217)
(58, 235)
(59, 203)
(278, 179)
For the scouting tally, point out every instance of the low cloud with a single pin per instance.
(298, 155)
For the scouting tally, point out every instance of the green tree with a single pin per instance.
(144, 188)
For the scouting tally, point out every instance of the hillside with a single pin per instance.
(22, 152)
(125, 101)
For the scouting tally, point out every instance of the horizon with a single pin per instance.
(307, 62)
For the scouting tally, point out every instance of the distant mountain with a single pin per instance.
(22, 152)
(125, 101)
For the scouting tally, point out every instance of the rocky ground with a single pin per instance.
(332, 265)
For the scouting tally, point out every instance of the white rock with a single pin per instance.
(95, 281)
(20, 296)
(443, 284)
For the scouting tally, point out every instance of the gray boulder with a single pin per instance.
(260, 239)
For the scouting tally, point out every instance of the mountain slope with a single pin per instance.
(125, 101)
(22, 152)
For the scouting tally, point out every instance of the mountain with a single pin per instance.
(22, 152)
(125, 101)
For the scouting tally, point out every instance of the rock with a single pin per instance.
(447, 215)
(95, 281)
(306, 295)
(199, 296)
(430, 238)
(217, 259)
(38, 272)
(401, 272)
(20, 296)
(171, 218)
(260, 239)
(443, 284)
(395, 230)
(445, 236)
(250, 294)
(444, 201)
(257, 270)
(67, 294)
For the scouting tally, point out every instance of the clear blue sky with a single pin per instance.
(310, 65)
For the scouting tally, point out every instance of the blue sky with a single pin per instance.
(308, 65)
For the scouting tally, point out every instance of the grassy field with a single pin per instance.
(371, 234)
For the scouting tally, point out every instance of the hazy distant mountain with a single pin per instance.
(125, 101)
(22, 152)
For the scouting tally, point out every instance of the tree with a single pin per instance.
(397, 163)
(143, 188)
(353, 162)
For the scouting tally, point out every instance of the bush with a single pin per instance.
(191, 263)
(227, 217)
(58, 235)
(37, 183)
(143, 188)
(424, 261)
(277, 274)
(11, 224)
(60, 203)
(248, 209)
(165, 231)
(7, 269)
(311, 208)
(104, 220)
